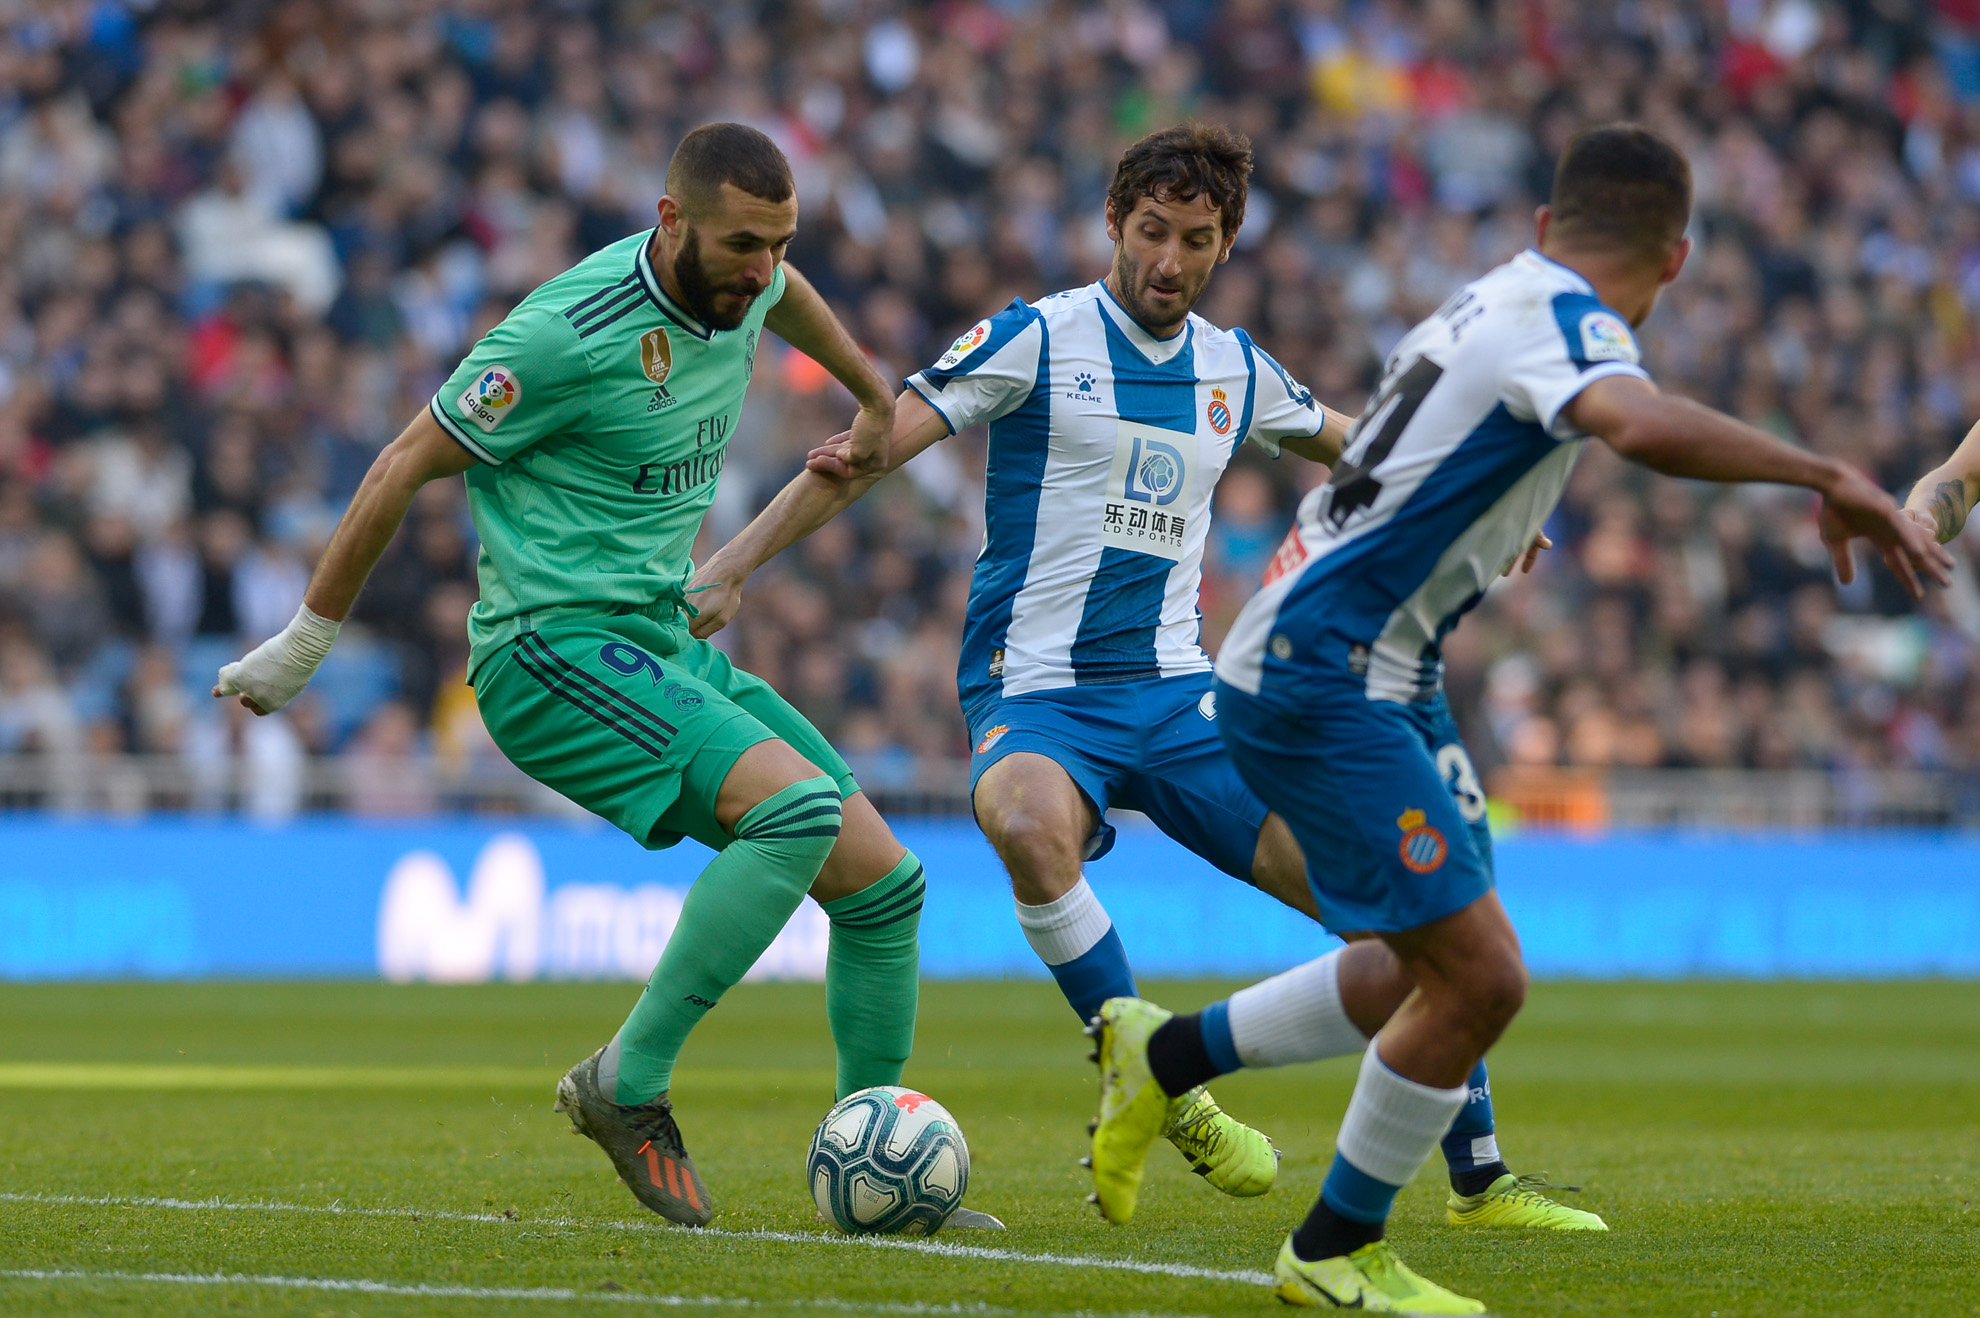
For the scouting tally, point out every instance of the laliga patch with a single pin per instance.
(493, 396)
(977, 336)
(1422, 848)
(991, 737)
(1604, 338)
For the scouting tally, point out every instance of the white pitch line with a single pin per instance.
(556, 1294)
(941, 1249)
(365, 1286)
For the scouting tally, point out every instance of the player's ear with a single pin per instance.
(1543, 220)
(672, 217)
(1675, 262)
(1224, 252)
(1113, 222)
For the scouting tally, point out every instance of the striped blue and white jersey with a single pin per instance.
(1453, 468)
(1105, 446)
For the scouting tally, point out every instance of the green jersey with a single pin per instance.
(601, 412)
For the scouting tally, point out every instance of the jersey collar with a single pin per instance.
(1533, 254)
(674, 311)
(1157, 351)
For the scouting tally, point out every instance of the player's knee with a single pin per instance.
(802, 820)
(1498, 991)
(1042, 857)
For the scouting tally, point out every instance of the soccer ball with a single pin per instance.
(888, 1161)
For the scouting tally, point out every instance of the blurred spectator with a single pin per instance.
(387, 771)
(240, 247)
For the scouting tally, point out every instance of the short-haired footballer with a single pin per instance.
(592, 423)
(1113, 410)
(1330, 686)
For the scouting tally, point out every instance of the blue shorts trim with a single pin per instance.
(1148, 746)
(1380, 795)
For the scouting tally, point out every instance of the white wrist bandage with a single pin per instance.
(275, 672)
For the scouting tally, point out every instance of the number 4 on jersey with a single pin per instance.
(1353, 485)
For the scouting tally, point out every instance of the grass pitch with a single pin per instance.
(1773, 1149)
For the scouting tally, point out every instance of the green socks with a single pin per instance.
(735, 909)
(873, 977)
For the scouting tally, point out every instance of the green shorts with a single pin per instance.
(637, 722)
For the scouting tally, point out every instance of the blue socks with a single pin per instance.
(1075, 939)
(1099, 973)
(1472, 1146)
(1356, 1195)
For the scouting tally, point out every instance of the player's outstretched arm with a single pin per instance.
(1681, 438)
(827, 486)
(1943, 496)
(802, 320)
(275, 672)
(1324, 447)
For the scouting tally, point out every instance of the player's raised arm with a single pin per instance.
(825, 488)
(275, 672)
(1681, 438)
(1943, 496)
(802, 320)
(1325, 446)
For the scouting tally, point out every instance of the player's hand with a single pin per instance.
(1924, 519)
(1525, 565)
(716, 593)
(866, 442)
(833, 458)
(275, 672)
(1855, 506)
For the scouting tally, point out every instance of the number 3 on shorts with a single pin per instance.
(1462, 779)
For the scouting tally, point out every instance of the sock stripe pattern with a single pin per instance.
(637, 724)
(805, 804)
(904, 903)
(1393, 1123)
(817, 814)
(1294, 1017)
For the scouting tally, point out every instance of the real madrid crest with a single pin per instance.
(656, 355)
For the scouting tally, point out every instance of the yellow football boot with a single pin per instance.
(1371, 1278)
(1517, 1201)
(1134, 1112)
(1225, 1152)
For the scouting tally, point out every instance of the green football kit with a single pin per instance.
(601, 412)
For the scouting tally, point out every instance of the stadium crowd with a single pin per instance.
(241, 244)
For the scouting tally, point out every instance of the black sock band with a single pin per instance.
(1325, 1234)
(1178, 1058)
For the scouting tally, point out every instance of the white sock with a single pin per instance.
(1294, 1017)
(1066, 929)
(1393, 1124)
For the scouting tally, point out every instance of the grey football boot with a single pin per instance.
(643, 1143)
